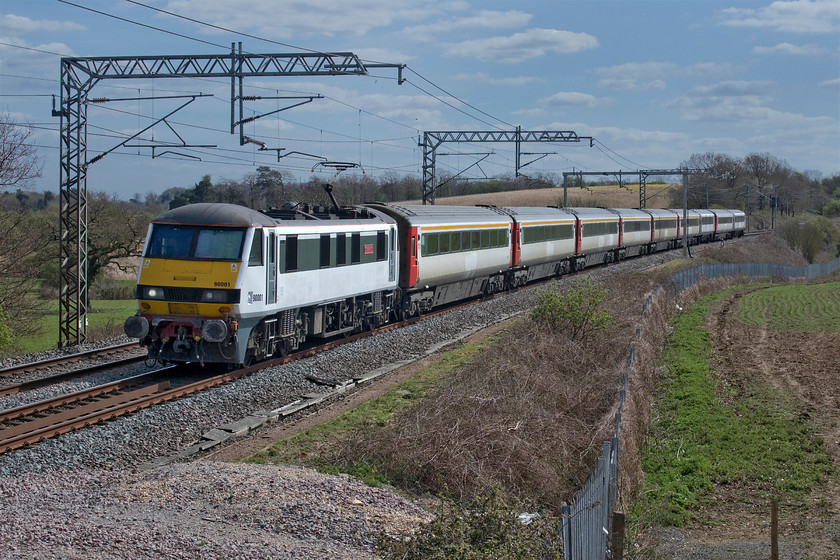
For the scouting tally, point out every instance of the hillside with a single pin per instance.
(610, 196)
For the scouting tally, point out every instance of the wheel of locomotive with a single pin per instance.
(256, 346)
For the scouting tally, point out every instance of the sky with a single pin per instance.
(652, 82)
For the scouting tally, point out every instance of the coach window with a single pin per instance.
(475, 240)
(256, 256)
(355, 248)
(465, 241)
(456, 242)
(325, 251)
(444, 243)
(431, 243)
(291, 253)
(381, 245)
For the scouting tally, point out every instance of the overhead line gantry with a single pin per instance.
(78, 77)
(432, 140)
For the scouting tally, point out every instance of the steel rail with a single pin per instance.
(53, 379)
(69, 358)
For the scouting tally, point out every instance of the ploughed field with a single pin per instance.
(783, 339)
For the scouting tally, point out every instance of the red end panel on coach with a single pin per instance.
(515, 244)
(410, 273)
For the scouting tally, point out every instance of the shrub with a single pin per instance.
(812, 238)
(832, 208)
(580, 311)
(486, 528)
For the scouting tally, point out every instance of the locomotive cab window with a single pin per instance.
(291, 253)
(381, 246)
(218, 244)
(188, 242)
(325, 251)
(256, 256)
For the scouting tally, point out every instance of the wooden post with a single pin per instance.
(617, 535)
(774, 530)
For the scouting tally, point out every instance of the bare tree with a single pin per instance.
(19, 166)
(718, 183)
(19, 163)
(115, 234)
(763, 169)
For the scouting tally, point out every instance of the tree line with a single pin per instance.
(29, 265)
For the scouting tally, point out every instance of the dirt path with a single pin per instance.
(805, 366)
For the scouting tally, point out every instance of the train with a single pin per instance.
(225, 284)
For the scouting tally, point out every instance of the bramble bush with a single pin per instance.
(485, 529)
(580, 311)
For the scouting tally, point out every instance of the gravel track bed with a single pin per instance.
(81, 495)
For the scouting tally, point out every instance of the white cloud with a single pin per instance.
(390, 56)
(485, 79)
(614, 134)
(569, 98)
(741, 102)
(22, 24)
(300, 18)
(483, 19)
(32, 60)
(830, 84)
(523, 46)
(787, 48)
(797, 16)
(645, 76)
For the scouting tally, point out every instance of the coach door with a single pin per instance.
(392, 255)
(271, 277)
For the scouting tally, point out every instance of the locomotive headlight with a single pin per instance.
(150, 292)
(211, 296)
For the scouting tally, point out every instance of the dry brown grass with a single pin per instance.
(529, 414)
(520, 417)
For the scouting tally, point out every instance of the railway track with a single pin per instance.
(68, 359)
(31, 424)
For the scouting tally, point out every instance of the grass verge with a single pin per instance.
(747, 437)
(105, 319)
(316, 446)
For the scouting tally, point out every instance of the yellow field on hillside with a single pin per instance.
(608, 196)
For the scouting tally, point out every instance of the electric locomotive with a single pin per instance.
(224, 283)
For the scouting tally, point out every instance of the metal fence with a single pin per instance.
(585, 524)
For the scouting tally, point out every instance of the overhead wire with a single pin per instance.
(221, 28)
(256, 37)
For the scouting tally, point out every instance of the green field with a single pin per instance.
(714, 431)
(808, 308)
(105, 318)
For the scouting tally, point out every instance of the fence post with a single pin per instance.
(566, 531)
(617, 546)
(774, 530)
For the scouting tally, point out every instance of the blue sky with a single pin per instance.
(652, 81)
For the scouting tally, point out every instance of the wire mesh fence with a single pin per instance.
(585, 524)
